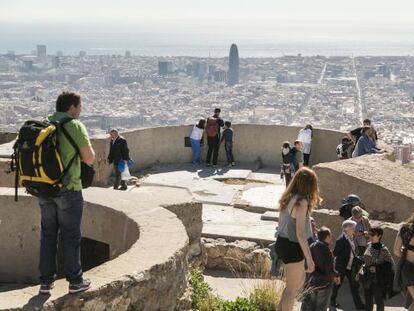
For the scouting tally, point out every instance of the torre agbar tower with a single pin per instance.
(233, 65)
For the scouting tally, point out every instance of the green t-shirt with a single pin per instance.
(78, 132)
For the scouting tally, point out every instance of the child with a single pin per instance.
(342, 150)
(228, 142)
(286, 170)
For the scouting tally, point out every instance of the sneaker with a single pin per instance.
(233, 163)
(208, 164)
(46, 288)
(123, 188)
(83, 285)
(229, 165)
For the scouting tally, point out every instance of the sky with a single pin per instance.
(259, 21)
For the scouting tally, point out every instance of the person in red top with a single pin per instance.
(212, 130)
(319, 284)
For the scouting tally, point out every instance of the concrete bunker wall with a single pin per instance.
(251, 142)
(20, 232)
(385, 187)
(142, 264)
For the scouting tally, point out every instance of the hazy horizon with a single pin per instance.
(162, 27)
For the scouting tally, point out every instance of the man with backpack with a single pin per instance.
(212, 129)
(61, 214)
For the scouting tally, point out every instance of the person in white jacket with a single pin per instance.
(305, 135)
(195, 140)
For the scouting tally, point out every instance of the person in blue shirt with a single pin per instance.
(228, 142)
(365, 144)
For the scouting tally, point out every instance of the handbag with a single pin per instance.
(87, 175)
(356, 266)
(187, 142)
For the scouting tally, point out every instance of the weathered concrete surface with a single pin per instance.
(238, 256)
(148, 274)
(7, 137)
(6, 177)
(260, 198)
(385, 187)
(236, 224)
(190, 213)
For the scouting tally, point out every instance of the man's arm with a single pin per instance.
(299, 158)
(87, 154)
(125, 150)
(85, 147)
(110, 155)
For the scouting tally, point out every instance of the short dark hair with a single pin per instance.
(367, 121)
(67, 99)
(323, 233)
(227, 123)
(286, 144)
(376, 231)
(297, 142)
(201, 124)
(217, 110)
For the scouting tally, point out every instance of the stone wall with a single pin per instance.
(7, 137)
(149, 249)
(385, 187)
(251, 143)
(238, 257)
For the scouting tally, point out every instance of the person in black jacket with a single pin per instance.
(319, 283)
(118, 152)
(344, 253)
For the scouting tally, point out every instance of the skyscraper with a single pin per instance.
(41, 52)
(233, 66)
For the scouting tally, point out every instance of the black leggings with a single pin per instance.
(375, 291)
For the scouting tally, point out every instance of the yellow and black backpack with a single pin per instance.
(36, 159)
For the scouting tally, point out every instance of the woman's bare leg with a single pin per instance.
(295, 276)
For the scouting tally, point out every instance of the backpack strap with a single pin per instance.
(60, 126)
(67, 135)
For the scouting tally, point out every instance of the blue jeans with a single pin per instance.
(61, 215)
(317, 300)
(228, 145)
(195, 146)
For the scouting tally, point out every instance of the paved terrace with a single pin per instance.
(238, 203)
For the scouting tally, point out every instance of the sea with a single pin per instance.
(194, 45)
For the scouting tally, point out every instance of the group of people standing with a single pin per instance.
(358, 254)
(217, 132)
(296, 156)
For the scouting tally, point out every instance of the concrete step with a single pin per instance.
(270, 216)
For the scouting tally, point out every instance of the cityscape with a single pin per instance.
(130, 91)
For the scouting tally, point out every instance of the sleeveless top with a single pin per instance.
(287, 223)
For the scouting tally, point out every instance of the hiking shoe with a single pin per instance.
(83, 285)
(46, 288)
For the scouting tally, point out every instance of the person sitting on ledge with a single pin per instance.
(365, 144)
